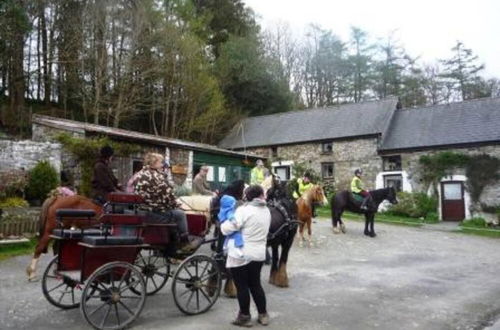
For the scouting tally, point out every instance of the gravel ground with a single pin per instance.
(405, 278)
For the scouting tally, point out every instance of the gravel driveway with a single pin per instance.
(405, 278)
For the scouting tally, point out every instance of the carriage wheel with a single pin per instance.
(196, 284)
(108, 301)
(154, 268)
(60, 291)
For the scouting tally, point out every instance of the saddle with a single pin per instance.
(289, 223)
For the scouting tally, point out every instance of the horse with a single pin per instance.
(344, 201)
(304, 206)
(282, 230)
(47, 223)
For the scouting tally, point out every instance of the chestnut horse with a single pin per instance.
(47, 222)
(304, 207)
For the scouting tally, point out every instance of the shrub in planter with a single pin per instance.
(13, 202)
(12, 183)
(414, 205)
(43, 178)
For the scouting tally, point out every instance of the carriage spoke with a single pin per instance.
(105, 317)
(117, 314)
(126, 308)
(205, 295)
(61, 297)
(98, 308)
(189, 299)
(154, 283)
(204, 269)
(129, 286)
(73, 296)
(130, 297)
(182, 294)
(123, 278)
(197, 300)
(206, 277)
(56, 287)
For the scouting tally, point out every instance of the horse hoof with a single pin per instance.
(336, 230)
(372, 235)
(343, 229)
(367, 233)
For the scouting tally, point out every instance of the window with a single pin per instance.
(210, 174)
(392, 163)
(395, 181)
(327, 147)
(283, 172)
(274, 152)
(222, 174)
(327, 170)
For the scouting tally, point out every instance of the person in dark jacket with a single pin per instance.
(103, 179)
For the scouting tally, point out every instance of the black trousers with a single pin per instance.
(247, 281)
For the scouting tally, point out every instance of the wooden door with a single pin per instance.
(452, 201)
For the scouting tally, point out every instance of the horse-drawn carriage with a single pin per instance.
(108, 266)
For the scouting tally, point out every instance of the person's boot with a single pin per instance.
(263, 319)
(243, 320)
(363, 204)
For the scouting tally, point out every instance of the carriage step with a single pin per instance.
(71, 213)
(112, 240)
(124, 198)
(76, 233)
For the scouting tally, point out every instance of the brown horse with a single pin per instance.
(47, 223)
(304, 207)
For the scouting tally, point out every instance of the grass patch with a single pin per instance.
(12, 250)
(493, 233)
(380, 217)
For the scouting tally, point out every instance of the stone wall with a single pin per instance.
(410, 164)
(347, 155)
(26, 154)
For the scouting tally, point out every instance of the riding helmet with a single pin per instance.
(358, 171)
(107, 152)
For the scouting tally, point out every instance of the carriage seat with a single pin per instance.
(112, 240)
(76, 233)
(124, 198)
(72, 213)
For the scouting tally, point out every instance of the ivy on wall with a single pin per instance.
(481, 170)
(86, 150)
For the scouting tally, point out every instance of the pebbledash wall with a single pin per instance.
(346, 156)
(26, 154)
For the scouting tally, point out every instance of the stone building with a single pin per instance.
(382, 139)
(185, 157)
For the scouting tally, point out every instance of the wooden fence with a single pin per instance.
(22, 223)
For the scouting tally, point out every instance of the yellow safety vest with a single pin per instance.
(356, 185)
(257, 175)
(303, 187)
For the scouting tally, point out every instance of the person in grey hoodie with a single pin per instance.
(252, 220)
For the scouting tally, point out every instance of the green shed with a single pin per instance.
(222, 169)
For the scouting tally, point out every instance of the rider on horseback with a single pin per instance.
(357, 188)
(303, 185)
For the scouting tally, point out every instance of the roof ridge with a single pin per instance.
(481, 99)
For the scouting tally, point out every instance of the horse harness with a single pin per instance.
(289, 223)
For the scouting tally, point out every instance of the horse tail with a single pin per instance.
(42, 220)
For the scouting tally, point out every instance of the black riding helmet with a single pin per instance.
(358, 171)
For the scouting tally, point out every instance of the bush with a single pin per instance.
(12, 183)
(413, 205)
(474, 223)
(432, 217)
(13, 202)
(43, 178)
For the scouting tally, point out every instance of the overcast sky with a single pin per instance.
(426, 28)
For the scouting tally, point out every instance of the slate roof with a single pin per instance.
(344, 121)
(81, 127)
(468, 122)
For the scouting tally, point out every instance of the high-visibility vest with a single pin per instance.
(257, 175)
(303, 187)
(356, 185)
